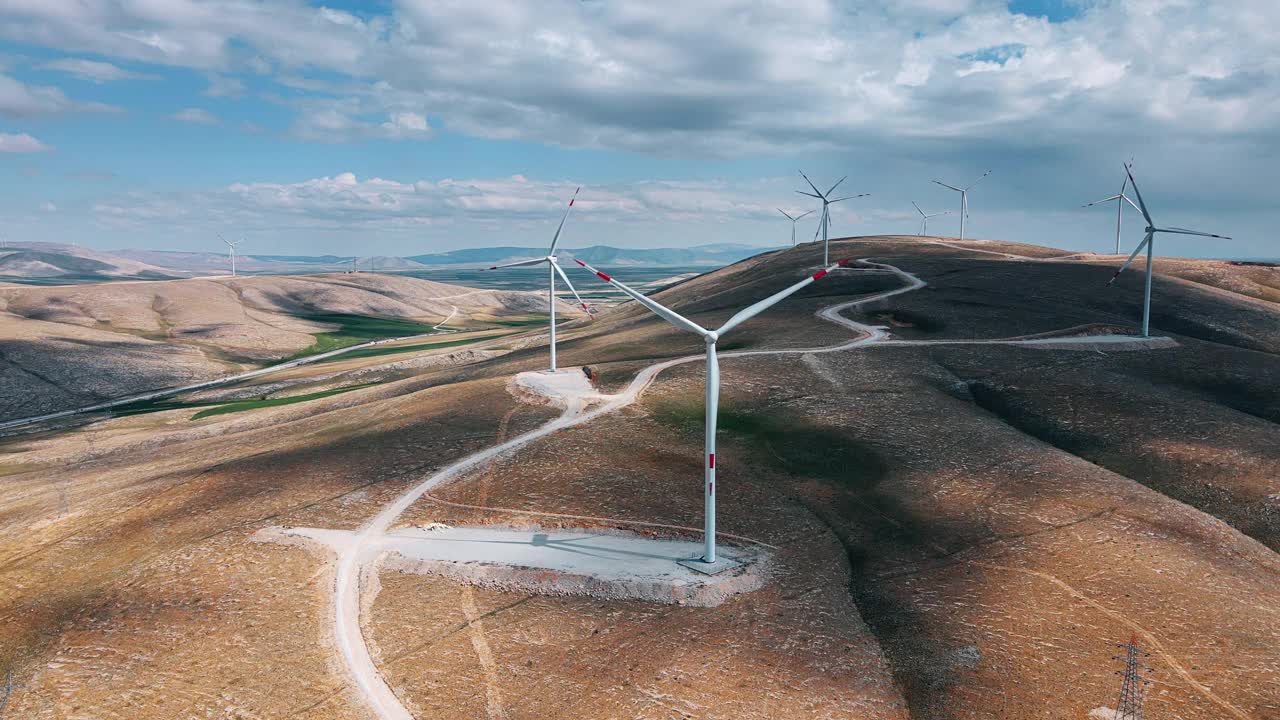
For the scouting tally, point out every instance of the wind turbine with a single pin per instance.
(793, 222)
(554, 264)
(1120, 200)
(1149, 243)
(964, 198)
(231, 249)
(924, 219)
(713, 377)
(824, 223)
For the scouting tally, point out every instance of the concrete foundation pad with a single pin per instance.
(698, 565)
(606, 565)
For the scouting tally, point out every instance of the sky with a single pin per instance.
(397, 127)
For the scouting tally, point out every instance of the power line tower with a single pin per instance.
(1133, 687)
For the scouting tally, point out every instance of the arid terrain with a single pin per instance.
(958, 529)
(70, 346)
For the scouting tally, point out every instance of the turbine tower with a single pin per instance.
(964, 198)
(793, 222)
(713, 377)
(924, 219)
(554, 265)
(824, 221)
(231, 250)
(1149, 243)
(1120, 200)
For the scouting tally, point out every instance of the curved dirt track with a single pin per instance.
(357, 557)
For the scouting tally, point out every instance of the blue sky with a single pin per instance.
(408, 126)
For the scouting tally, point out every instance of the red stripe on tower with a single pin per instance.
(711, 461)
(604, 277)
(818, 275)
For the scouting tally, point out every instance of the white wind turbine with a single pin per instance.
(231, 250)
(713, 378)
(924, 219)
(1120, 200)
(554, 264)
(1149, 243)
(964, 198)
(793, 222)
(824, 222)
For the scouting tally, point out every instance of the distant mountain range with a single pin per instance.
(698, 256)
(56, 263)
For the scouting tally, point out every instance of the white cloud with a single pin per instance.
(47, 206)
(17, 99)
(721, 76)
(345, 120)
(21, 143)
(94, 70)
(346, 202)
(197, 116)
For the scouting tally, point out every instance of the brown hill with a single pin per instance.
(962, 531)
(74, 345)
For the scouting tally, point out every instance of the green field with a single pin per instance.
(221, 408)
(356, 329)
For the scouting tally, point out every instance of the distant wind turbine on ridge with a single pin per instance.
(554, 264)
(713, 377)
(924, 219)
(793, 222)
(231, 250)
(1149, 243)
(964, 198)
(824, 222)
(1120, 200)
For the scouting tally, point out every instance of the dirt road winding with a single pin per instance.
(358, 555)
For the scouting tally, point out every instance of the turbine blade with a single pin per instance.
(567, 210)
(848, 197)
(815, 187)
(980, 177)
(1184, 231)
(951, 187)
(1142, 205)
(564, 277)
(755, 309)
(809, 194)
(1136, 250)
(661, 311)
(522, 263)
(1098, 202)
(833, 187)
(1135, 207)
(784, 214)
(807, 212)
(917, 207)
